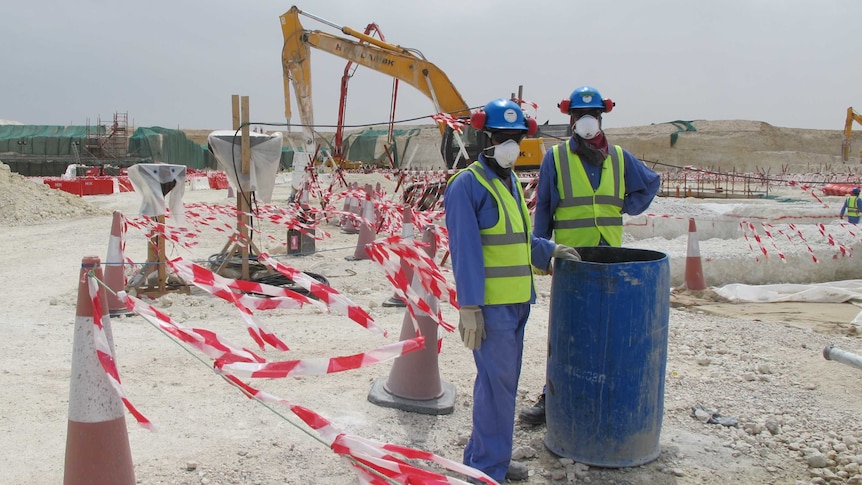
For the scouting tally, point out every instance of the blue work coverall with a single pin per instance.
(470, 207)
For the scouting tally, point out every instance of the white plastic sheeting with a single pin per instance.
(265, 156)
(147, 180)
(846, 291)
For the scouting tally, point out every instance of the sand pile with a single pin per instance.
(24, 201)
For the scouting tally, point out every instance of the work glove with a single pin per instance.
(471, 326)
(566, 252)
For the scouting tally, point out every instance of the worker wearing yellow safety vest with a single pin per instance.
(852, 207)
(493, 252)
(585, 186)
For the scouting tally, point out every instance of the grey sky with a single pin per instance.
(790, 63)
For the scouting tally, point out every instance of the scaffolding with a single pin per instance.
(108, 142)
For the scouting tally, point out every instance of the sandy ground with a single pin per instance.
(760, 363)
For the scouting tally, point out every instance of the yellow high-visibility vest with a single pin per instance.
(853, 206)
(585, 215)
(505, 245)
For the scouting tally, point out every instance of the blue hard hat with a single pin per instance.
(855, 191)
(586, 97)
(504, 114)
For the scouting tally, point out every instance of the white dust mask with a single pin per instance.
(506, 153)
(587, 127)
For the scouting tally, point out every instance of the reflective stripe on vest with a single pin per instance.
(585, 215)
(506, 245)
(852, 206)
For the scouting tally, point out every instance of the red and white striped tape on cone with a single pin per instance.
(416, 376)
(105, 346)
(406, 233)
(97, 441)
(694, 279)
(350, 223)
(115, 275)
(432, 278)
(376, 462)
(433, 282)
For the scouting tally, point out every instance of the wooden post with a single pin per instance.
(240, 118)
(243, 207)
(157, 263)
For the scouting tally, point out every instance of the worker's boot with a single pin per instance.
(517, 472)
(536, 414)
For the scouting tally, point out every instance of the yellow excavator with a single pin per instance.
(404, 64)
(848, 128)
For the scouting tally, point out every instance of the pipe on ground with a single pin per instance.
(832, 352)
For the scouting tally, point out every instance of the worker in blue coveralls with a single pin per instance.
(585, 186)
(852, 207)
(492, 251)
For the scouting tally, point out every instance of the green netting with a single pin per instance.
(369, 146)
(166, 145)
(681, 126)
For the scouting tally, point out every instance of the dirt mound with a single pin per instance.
(24, 201)
(735, 145)
(728, 145)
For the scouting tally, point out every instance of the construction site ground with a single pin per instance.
(760, 363)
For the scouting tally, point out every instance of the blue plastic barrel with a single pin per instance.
(607, 355)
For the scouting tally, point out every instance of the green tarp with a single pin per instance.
(166, 145)
(41, 139)
(32, 142)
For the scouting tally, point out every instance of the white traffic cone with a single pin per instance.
(406, 233)
(414, 382)
(351, 225)
(367, 231)
(115, 275)
(694, 279)
(97, 441)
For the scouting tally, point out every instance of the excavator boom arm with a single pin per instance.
(404, 66)
(852, 116)
(296, 66)
(383, 57)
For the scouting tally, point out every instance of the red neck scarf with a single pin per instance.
(598, 142)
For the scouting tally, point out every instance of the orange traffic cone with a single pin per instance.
(694, 279)
(115, 276)
(367, 233)
(97, 442)
(414, 382)
(406, 233)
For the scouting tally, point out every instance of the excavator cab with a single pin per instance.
(450, 149)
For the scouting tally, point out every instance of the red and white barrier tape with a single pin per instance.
(221, 287)
(106, 355)
(328, 295)
(372, 458)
